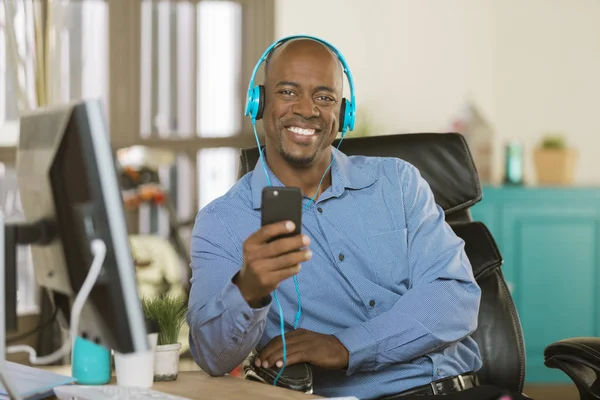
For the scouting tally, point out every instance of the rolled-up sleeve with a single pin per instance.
(224, 329)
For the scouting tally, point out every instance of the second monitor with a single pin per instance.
(67, 178)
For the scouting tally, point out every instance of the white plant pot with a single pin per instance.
(166, 362)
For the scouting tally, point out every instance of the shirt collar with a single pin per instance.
(345, 175)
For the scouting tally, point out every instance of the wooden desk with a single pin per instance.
(194, 383)
(199, 385)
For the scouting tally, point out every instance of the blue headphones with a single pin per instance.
(255, 103)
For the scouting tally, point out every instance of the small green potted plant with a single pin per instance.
(168, 312)
(555, 161)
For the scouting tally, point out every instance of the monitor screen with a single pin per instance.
(66, 173)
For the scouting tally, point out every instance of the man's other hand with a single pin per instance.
(321, 350)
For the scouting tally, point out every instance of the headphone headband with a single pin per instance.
(255, 100)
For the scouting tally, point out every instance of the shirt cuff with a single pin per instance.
(244, 317)
(361, 347)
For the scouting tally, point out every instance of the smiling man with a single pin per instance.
(389, 300)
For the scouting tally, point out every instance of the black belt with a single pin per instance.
(450, 385)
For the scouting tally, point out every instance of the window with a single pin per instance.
(176, 78)
(219, 54)
(191, 80)
(3, 70)
(8, 108)
(77, 67)
(93, 17)
(77, 63)
(219, 111)
(192, 89)
(10, 205)
(8, 93)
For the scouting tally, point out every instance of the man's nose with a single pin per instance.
(305, 107)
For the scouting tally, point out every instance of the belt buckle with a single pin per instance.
(461, 382)
(435, 389)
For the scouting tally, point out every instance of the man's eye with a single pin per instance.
(286, 92)
(325, 99)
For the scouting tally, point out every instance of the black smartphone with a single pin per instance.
(282, 204)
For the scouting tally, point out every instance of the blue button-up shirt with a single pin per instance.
(388, 277)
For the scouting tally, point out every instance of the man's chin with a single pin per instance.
(298, 154)
(300, 161)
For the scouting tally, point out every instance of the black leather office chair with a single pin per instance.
(579, 358)
(445, 162)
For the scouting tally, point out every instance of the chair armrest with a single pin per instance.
(579, 358)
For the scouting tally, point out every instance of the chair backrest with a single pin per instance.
(445, 162)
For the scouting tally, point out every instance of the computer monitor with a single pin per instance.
(67, 179)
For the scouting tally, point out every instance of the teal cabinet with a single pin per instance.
(550, 241)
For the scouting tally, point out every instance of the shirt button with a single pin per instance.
(439, 372)
(235, 340)
(320, 209)
(246, 317)
(372, 303)
(341, 257)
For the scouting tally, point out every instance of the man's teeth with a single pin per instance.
(300, 131)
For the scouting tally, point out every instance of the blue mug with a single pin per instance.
(91, 364)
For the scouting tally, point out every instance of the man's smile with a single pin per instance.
(301, 131)
(301, 134)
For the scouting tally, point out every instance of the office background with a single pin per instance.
(529, 67)
(173, 76)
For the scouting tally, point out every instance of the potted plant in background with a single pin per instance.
(168, 311)
(554, 161)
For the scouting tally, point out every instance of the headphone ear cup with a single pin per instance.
(342, 115)
(350, 117)
(261, 102)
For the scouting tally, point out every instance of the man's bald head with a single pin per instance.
(300, 46)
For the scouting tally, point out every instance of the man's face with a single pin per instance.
(303, 92)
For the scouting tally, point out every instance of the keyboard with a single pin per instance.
(110, 392)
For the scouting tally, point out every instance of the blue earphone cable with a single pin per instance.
(299, 312)
(325, 173)
(260, 153)
(252, 108)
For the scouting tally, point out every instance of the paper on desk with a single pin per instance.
(33, 383)
(342, 398)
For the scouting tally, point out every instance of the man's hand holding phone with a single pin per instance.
(268, 262)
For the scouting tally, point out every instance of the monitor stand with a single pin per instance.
(41, 232)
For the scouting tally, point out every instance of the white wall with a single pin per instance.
(530, 66)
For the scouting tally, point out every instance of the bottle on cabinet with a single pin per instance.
(513, 169)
